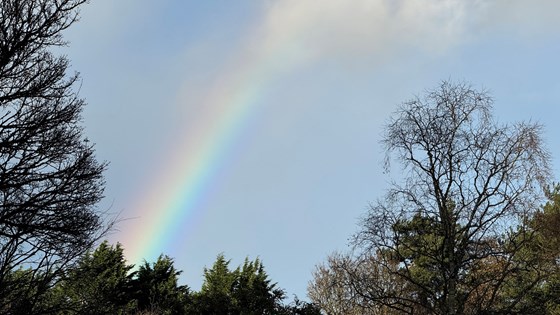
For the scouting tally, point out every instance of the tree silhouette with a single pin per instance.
(100, 283)
(157, 288)
(247, 290)
(471, 185)
(50, 180)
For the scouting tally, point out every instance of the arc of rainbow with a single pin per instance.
(166, 208)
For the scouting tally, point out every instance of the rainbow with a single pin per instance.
(175, 197)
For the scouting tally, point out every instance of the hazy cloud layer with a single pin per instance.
(364, 29)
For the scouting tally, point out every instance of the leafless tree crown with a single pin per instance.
(470, 182)
(50, 180)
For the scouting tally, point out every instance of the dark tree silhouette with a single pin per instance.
(50, 180)
(245, 290)
(100, 283)
(450, 231)
(157, 288)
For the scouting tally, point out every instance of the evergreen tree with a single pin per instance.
(539, 243)
(247, 290)
(253, 292)
(101, 283)
(215, 296)
(157, 288)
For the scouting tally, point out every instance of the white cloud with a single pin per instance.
(350, 29)
(361, 28)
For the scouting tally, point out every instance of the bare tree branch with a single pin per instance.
(472, 184)
(50, 181)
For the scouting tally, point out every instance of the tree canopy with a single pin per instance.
(50, 180)
(245, 290)
(103, 283)
(455, 234)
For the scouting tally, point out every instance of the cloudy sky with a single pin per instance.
(251, 127)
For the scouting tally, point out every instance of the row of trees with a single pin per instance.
(103, 283)
(466, 232)
(525, 283)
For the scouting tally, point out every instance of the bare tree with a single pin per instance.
(453, 224)
(342, 285)
(331, 290)
(50, 180)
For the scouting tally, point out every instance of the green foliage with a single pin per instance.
(215, 296)
(246, 290)
(420, 240)
(299, 308)
(157, 288)
(101, 283)
(547, 223)
(24, 294)
(253, 292)
(540, 252)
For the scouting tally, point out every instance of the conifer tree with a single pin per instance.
(157, 288)
(101, 283)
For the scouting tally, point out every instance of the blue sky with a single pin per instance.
(306, 161)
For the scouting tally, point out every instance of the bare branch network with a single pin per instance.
(50, 180)
(449, 238)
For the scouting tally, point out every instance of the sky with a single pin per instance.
(252, 128)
